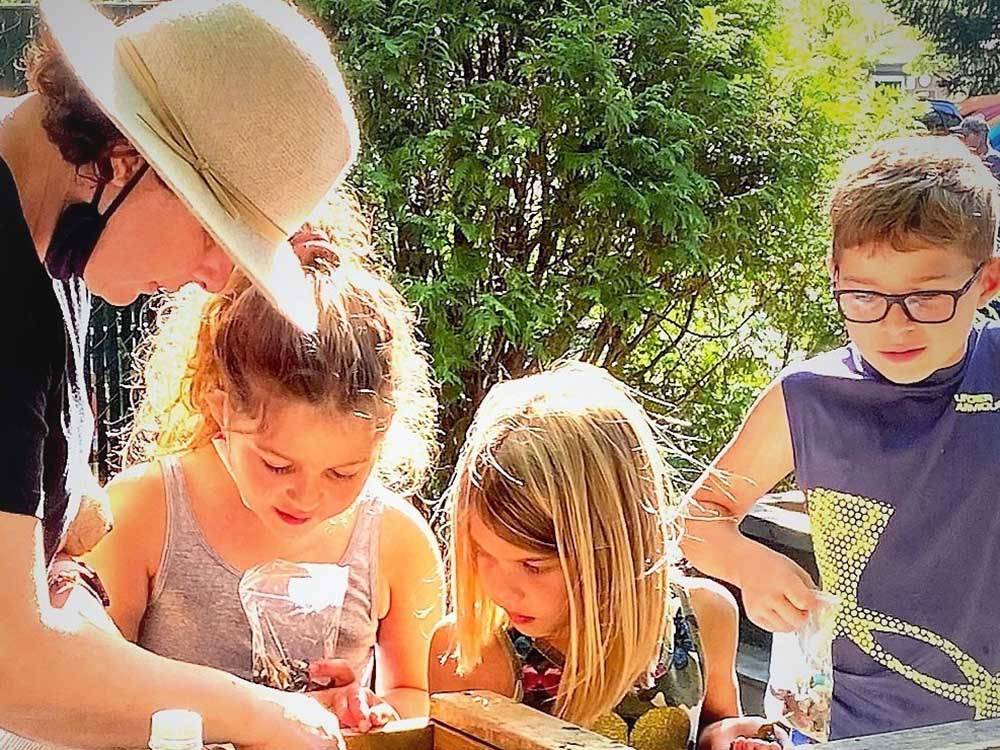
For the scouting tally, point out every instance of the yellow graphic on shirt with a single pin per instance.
(846, 531)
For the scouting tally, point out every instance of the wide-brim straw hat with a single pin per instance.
(238, 105)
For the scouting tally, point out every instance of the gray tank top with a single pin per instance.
(194, 612)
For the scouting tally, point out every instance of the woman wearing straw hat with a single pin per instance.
(195, 136)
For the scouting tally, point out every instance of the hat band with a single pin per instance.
(169, 129)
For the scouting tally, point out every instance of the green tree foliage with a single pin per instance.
(967, 31)
(635, 182)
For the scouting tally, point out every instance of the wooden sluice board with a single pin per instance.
(485, 721)
(481, 721)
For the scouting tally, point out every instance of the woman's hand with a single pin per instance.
(294, 720)
(75, 589)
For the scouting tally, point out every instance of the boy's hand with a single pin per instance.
(356, 707)
(777, 594)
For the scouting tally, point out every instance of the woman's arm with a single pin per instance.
(67, 681)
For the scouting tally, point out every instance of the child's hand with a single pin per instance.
(361, 709)
(776, 739)
(777, 593)
(356, 707)
(753, 743)
(744, 733)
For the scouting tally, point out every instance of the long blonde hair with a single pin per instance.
(566, 462)
(364, 357)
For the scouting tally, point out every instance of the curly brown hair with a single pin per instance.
(364, 359)
(74, 123)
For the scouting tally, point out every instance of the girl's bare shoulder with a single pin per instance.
(495, 671)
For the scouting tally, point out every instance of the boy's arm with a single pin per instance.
(776, 592)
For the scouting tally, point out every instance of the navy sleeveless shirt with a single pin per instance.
(902, 483)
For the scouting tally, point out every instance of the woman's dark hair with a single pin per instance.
(74, 123)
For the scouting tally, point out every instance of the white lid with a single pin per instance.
(175, 728)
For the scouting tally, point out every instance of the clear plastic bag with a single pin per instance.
(294, 612)
(800, 685)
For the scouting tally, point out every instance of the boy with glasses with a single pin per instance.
(895, 440)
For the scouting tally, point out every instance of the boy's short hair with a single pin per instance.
(916, 192)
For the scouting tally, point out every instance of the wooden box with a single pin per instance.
(481, 721)
(484, 721)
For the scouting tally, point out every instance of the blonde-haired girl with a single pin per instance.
(562, 539)
(263, 442)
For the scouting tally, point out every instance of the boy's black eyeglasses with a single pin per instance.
(928, 306)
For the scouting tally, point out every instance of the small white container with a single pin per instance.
(176, 729)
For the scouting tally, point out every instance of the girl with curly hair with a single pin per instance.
(262, 442)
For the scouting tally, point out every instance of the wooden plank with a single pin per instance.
(446, 738)
(409, 734)
(502, 723)
(960, 735)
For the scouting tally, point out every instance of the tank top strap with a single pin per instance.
(361, 554)
(170, 470)
(181, 530)
(685, 621)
